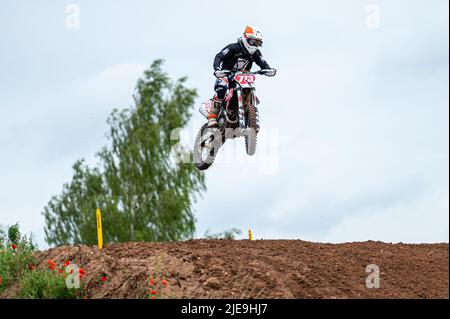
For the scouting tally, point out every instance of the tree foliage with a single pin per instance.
(227, 234)
(143, 193)
(2, 235)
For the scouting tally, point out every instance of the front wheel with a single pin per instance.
(250, 136)
(206, 146)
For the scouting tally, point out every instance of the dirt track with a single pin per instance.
(260, 269)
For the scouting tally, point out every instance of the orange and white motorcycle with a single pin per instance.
(238, 116)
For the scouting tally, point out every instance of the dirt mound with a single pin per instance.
(259, 269)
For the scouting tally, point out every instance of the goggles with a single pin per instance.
(254, 42)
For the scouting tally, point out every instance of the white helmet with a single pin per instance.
(252, 39)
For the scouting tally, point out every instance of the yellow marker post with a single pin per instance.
(250, 236)
(99, 229)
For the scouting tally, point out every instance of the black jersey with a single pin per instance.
(234, 57)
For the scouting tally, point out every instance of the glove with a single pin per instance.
(269, 72)
(220, 73)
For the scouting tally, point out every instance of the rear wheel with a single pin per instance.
(206, 146)
(250, 136)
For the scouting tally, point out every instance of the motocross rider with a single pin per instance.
(236, 56)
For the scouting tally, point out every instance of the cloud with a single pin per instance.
(363, 141)
(361, 115)
(42, 136)
(420, 216)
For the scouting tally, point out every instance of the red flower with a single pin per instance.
(31, 266)
(60, 271)
(81, 273)
(152, 281)
(67, 263)
(153, 292)
(13, 246)
(71, 271)
(1, 280)
(104, 279)
(153, 297)
(164, 282)
(51, 264)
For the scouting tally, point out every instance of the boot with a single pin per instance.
(212, 117)
(212, 120)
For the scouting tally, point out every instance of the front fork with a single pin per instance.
(255, 102)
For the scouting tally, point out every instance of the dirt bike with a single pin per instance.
(238, 116)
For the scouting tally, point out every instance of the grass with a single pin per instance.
(18, 266)
(14, 262)
(45, 284)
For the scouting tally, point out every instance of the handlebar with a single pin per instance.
(267, 72)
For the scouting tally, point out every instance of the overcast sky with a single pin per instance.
(355, 127)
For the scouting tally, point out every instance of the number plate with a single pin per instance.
(245, 78)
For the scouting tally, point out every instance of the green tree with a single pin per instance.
(14, 234)
(227, 234)
(144, 193)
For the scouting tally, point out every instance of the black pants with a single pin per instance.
(221, 87)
